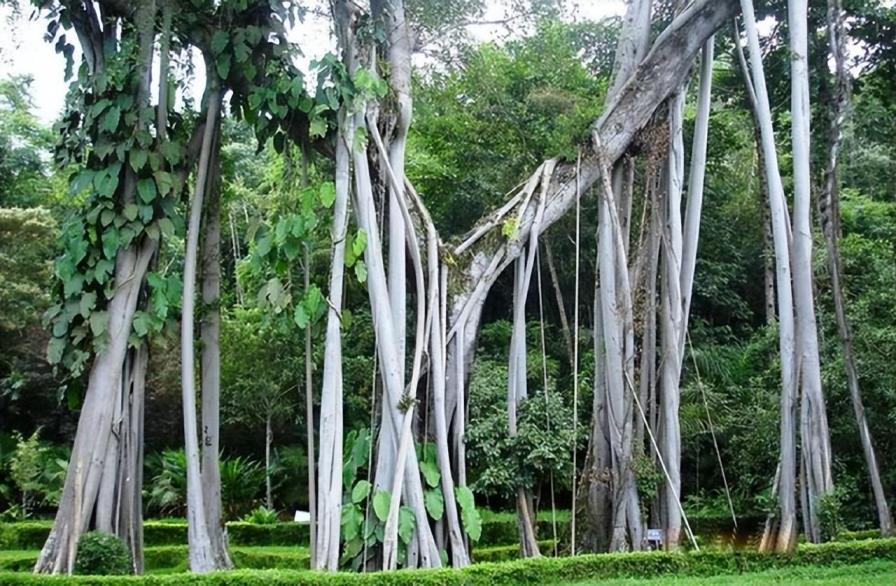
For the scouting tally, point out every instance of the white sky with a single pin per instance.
(23, 50)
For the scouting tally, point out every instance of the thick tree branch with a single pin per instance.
(660, 73)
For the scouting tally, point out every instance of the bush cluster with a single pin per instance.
(102, 554)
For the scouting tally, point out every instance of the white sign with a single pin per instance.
(303, 517)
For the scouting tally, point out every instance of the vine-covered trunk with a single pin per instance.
(103, 480)
(97, 424)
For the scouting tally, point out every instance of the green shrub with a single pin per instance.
(261, 516)
(538, 571)
(102, 554)
(24, 534)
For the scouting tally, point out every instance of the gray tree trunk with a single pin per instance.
(787, 527)
(202, 556)
(815, 437)
(210, 362)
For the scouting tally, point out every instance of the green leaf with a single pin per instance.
(55, 350)
(106, 217)
(359, 244)
(241, 51)
(106, 181)
(300, 317)
(172, 152)
(130, 212)
(81, 181)
(327, 194)
(472, 523)
(110, 243)
(137, 159)
(361, 271)
(352, 519)
(381, 500)
(164, 182)
(110, 119)
(318, 128)
(98, 322)
(87, 303)
(167, 227)
(430, 472)
(142, 323)
(73, 285)
(361, 491)
(464, 497)
(219, 41)
(146, 190)
(406, 524)
(469, 515)
(223, 66)
(435, 503)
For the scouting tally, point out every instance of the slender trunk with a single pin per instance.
(201, 553)
(309, 423)
(829, 214)
(558, 294)
(815, 436)
(268, 440)
(672, 308)
(329, 468)
(787, 529)
(210, 361)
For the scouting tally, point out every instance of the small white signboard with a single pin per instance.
(655, 535)
(303, 517)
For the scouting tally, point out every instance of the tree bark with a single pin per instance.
(201, 553)
(815, 437)
(210, 361)
(329, 470)
(785, 540)
(309, 422)
(829, 214)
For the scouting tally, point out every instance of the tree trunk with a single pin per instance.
(815, 437)
(309, 423)
(201, 553)
(787, 528)
(329, 470)
(829, 214)
(210, 361)
(103, 480)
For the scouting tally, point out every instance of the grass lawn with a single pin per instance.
(867, 574)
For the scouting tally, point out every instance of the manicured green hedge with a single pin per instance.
(533, 571)
(33, 534)
(858, 535)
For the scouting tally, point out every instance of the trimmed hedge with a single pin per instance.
(33, 534)
(174, 557)
(532, 571)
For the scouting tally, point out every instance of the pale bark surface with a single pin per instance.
(787, 527)
(815, 437)
(210, 362)
(202, 556)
